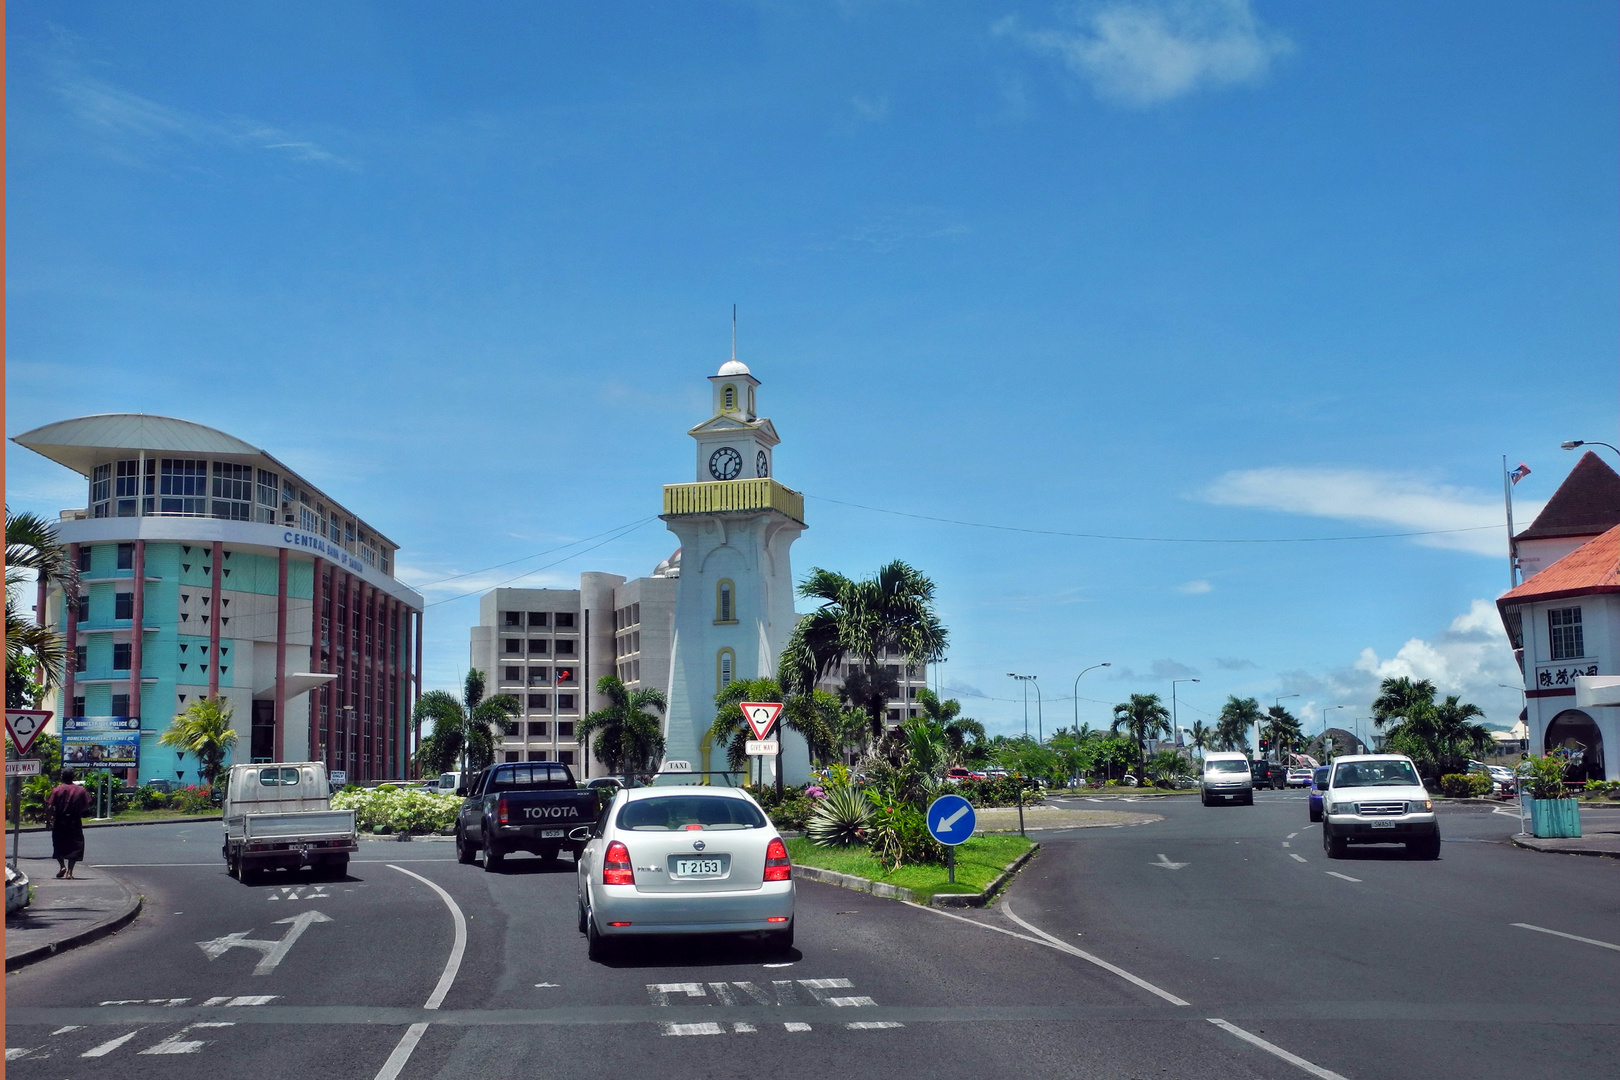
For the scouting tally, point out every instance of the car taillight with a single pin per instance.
(616, 868)
(777, 865)
(500, 810)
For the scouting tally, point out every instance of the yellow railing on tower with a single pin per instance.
(718, 496)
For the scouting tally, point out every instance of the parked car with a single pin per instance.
(1227, 778)
(684, 861)
(1378, 799)
(1299, 776)
(597, 783)
(1503, 782)
(156, 784)
(1267, 775)
(1319, 778)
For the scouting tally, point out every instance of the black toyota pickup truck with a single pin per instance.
(531, 806)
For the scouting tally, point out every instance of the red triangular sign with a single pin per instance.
(26, 725)
(761, 716)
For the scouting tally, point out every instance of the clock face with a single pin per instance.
(762, 465)
(725, 464)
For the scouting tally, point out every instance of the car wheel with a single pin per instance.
(780, 942)
(1316, 815)
(1334, 845)
(1249, 799)
(582, 916)
(1427, 848)
(465, 852)
(493, 857)
(336, 867)
(1203, 799)
(596, 946)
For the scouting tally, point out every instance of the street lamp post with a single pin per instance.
(1093, 667)
(1025, 679)
(1174, 717)
(1571, 444)
(1325, 711)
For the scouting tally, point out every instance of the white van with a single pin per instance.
(448, 783)
(1228, 778)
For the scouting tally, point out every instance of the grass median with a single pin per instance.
(978, 862)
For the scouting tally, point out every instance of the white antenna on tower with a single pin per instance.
(734, 331)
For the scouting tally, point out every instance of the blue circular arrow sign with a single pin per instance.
(951, 820)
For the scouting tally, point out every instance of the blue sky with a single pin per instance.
(1202, 270)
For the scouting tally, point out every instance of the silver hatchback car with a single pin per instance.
(686, 860)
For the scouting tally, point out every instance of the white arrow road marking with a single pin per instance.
(1296, 858)
(274, 951)
(175, 1045)
(948, 823)
(110, 1045)
(1165, 863)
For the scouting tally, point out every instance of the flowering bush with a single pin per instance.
(395, 810)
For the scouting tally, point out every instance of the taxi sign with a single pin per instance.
(25, 725)
(761, 716)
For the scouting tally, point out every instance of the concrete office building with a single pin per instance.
(207, 567)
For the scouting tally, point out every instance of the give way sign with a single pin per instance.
(761, 715)
(25, 725)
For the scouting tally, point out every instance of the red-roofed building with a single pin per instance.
(1563, 624)
(1586, 504)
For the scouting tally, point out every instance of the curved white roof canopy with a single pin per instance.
(82, 443)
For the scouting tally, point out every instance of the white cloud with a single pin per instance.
(1195, 588)
(1397, 502)
(1143, 53)
(123, 115)
(1173, 669)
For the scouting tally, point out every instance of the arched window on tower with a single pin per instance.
(725, 602)
(726, 666)
(728, 398)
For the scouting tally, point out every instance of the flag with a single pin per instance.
(1520, 473)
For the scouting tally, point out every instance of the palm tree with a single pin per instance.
(1400, 699)
(1283, 730)
(1232, 726)
(1142, 717)
(629, 733)
(203, 731)
(463, 731)
(947, 714)
(890, 612)
(1200, 737)
(36, 658)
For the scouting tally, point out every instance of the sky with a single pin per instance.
(1150, 330)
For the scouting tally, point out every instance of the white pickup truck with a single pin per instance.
(281, 815)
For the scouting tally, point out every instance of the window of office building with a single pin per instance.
(565, 619)
(513, 674)
(565, 702)
(101, 487)
(539, 729)
(565, 729)
(538, 648)
(126, 556)
(81, 659)
(269, 497)
(514, 618)
(539, 755)
(120, 704)
(565, 756)
(514, 755)
(124, 605)
(1564, 630)
(565, 647)
(84, 608)
(84, 558)
(121, 656)
(511, 645)
(565, 676)
(182, 486)
(723, 605)
(537, 618)
(78, 706)
(232, 491)
(539, 676)
(126, 486)
(539, 701)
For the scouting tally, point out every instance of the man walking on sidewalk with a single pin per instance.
(65, 808)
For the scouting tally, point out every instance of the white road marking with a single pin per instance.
(660, 991)
(165, 1002)
(796, 1027)
(1273, 1048)
(14, 1052)
(705, 1028)
(69, 1027)
(174, 1044)
(755, 992)
(1292, 835)
(1572, 937)
(1064, 946)
(741, 1028)
(1287, 844)
(873, 1025)
(785, 963)
(1345, 877)
(1296, 858)
(546, 986)
(244, 999)
(458, 948)
(110, 1045)
(1165, 863)
(296, 892)
(274, 951)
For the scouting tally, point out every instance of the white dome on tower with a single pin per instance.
(734, 367)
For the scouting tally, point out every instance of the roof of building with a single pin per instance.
(733, 367)
(1593, 567)
(1586, 503)
(80, 443)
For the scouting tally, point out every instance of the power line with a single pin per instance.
(1155, 539)
(529, 573)
(526, 558)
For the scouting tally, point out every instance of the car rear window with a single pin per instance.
(1228, 766)
(673, 813)
(511, 777)
(1375, 774)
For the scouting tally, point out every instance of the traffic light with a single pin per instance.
(1265, 745)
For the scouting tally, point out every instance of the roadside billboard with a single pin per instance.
(101, 742)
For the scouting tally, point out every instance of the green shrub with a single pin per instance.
(148, 797)
(395, 810)
(1597, 789)
(998, 791)
(897, 832)
(840, 819)
(1546, 780)
(1465, 785)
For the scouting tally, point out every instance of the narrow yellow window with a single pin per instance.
(724, 606)
(728, 663)
(729, 398)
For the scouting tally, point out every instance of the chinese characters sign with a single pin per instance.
(1551, 677)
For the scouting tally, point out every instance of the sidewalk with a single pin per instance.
(66, 913)
(1601, 837)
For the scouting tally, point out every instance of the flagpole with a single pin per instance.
(1507, 498)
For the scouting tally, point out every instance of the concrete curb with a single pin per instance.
(1549, 846)
(127, 824)
(94, 932)
(896, 892)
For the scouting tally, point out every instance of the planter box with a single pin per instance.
(1555, 817)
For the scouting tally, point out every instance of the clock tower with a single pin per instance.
(734, 606)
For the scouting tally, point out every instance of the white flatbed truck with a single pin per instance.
(280, 815)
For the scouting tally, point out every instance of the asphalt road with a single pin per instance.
(1104, 960)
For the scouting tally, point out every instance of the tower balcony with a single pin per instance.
(721, 496)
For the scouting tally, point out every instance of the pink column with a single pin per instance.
(70, 633)
(315, 661)
(218, 609)
(281, 650)
(416, 679)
